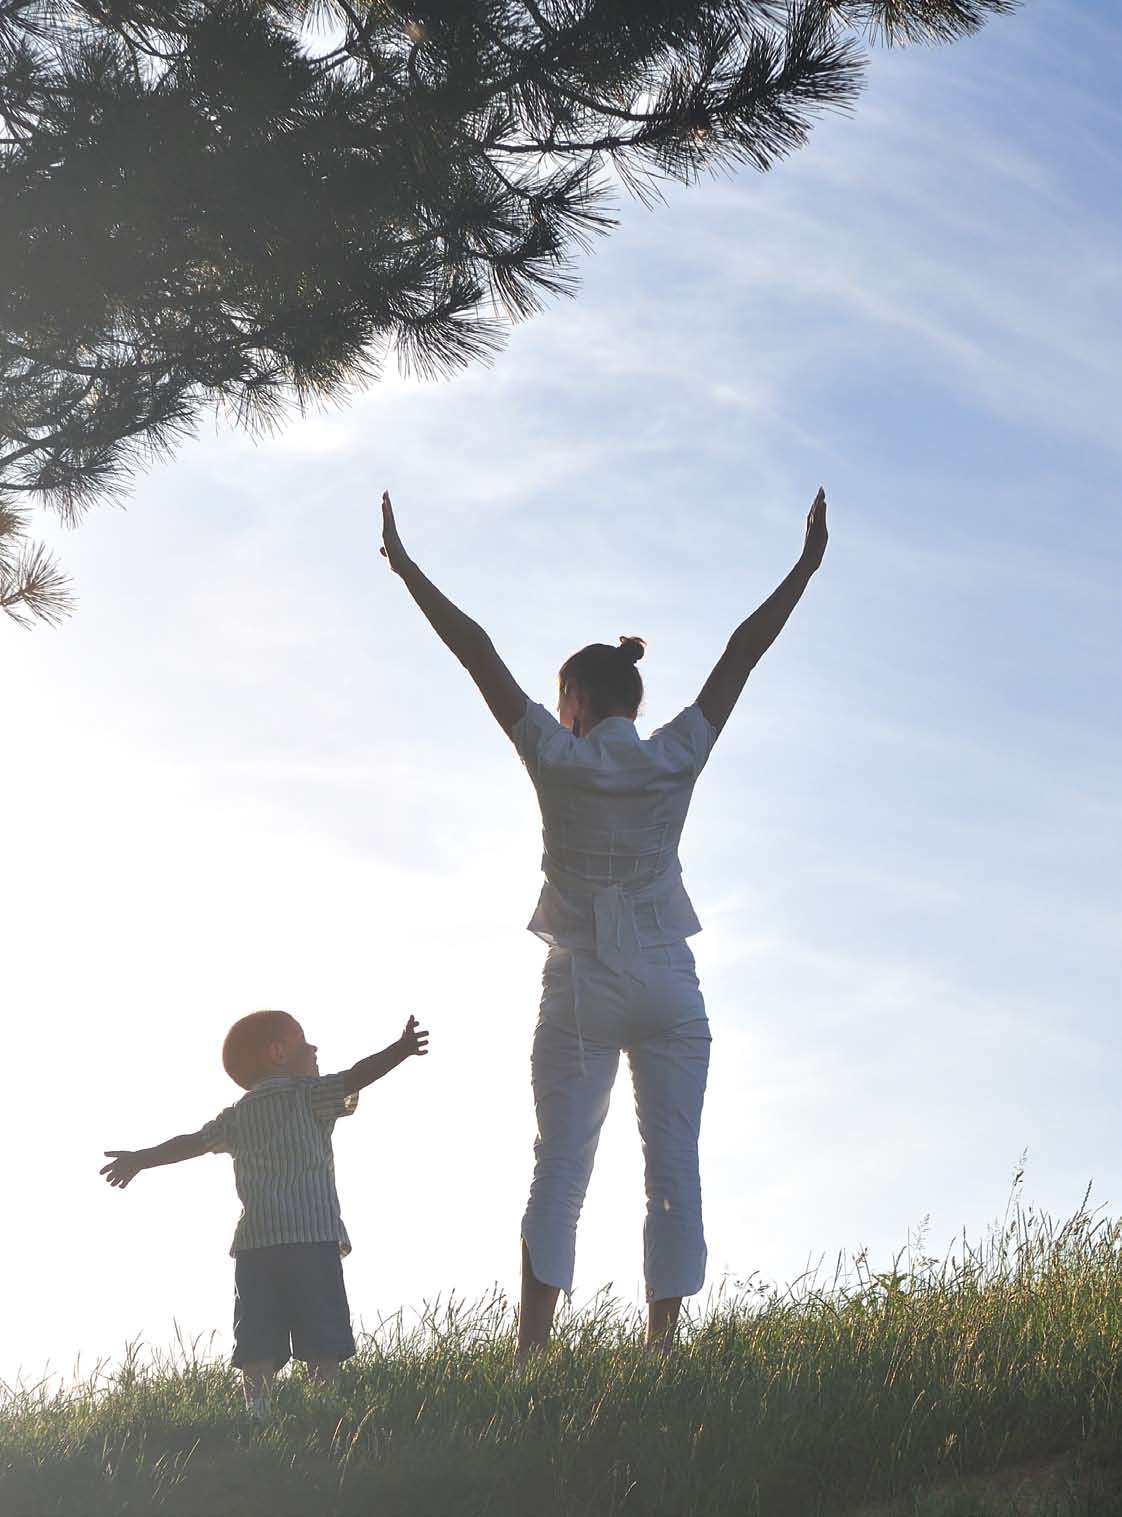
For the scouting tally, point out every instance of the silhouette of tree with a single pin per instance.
(251, 203)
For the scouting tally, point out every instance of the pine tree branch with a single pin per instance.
(902, 22)
(32, 586)
(195, 209)
(539, 20)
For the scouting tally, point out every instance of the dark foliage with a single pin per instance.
(249, 203)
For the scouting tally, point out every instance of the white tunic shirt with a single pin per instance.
(613, 806)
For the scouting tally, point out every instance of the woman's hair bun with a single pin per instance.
(632, 648)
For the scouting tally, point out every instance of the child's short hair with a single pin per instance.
(243, 1052)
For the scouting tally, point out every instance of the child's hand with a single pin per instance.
(126, 1166)
(414, 1040)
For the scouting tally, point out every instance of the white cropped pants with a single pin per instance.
(588, 1016)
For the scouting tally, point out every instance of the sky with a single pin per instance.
(246, 774)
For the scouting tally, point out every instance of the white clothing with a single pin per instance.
(613, 806)
(588, 1015)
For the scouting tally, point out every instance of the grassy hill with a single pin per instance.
(989, 1383)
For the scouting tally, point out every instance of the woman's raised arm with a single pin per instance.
(466, 638)
(756, 633)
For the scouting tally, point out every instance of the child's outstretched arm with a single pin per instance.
(756, 633)
(466, 638)
(414, 1040)
(127, 1163)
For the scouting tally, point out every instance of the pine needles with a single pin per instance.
(252, 205)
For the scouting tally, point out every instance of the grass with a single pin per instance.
(990, 1382)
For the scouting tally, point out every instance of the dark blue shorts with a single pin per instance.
(290, 1302)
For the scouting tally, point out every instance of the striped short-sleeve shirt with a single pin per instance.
(279, 1136)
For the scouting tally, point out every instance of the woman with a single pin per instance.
(619, 975)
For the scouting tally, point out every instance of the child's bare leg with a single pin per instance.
(662, 1319)
(257, 1381)
(535, 1317)
(324, 1372)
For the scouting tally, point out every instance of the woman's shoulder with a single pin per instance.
(539, 737)
(687, 740)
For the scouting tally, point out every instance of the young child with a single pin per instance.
(289, 1297)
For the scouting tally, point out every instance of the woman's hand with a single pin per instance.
(816, 534)
(391, 549)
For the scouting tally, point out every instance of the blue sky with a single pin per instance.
(245, 774)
